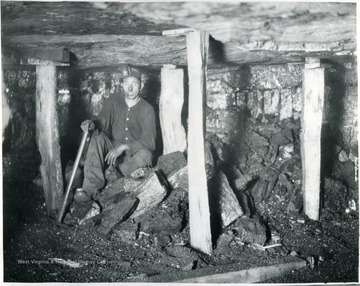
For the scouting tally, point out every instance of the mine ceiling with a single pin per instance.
(111, 33)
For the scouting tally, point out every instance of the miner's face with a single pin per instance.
(131, 86)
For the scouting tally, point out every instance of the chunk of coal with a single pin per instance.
(250, 230)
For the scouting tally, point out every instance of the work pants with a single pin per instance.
(95, 165)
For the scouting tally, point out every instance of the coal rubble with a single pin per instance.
(255, 201)
(137, 229)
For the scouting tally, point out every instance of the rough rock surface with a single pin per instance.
(170, 217)
(250, 230)
(170, 163)
(223, 199)
(290, 18)
(337, 197)
(345, 171)
(179, 179)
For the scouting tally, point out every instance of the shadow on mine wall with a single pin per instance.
(333, 117)
(239, 80)
(77, 112)
(151, 91)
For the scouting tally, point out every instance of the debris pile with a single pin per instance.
(152, 204)
(253, 182)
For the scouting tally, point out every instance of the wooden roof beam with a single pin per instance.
(101, 50)
(57, 56)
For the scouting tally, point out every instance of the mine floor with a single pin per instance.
(32, 241)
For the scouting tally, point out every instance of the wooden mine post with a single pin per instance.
(200, 233)
(311, 123)
(47, 123)
(47, 135)
(197, 50)
(171, 104)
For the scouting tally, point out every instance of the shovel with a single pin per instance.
(76, 165)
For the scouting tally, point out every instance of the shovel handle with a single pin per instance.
(76, 165)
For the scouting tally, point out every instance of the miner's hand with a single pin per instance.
(87, 125)
(114, 153)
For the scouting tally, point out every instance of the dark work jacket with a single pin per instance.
(133, 126)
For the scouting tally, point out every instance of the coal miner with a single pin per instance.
(123, 136)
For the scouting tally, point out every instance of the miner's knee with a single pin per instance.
(143, 158)
(98, 137)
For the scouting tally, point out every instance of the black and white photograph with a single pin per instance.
(179, 142)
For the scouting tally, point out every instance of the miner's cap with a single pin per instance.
(128, 71)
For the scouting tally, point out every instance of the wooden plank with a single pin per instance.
(47, 136)
(171, 104)
(99, 50)
(48, 54)
(200, 234)
(311, 63)
(311, 123)
(150, 193)
(230, 273)
(177, 32)
(38, 62)
(179, 179)
(248, 275)
(29, 56)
